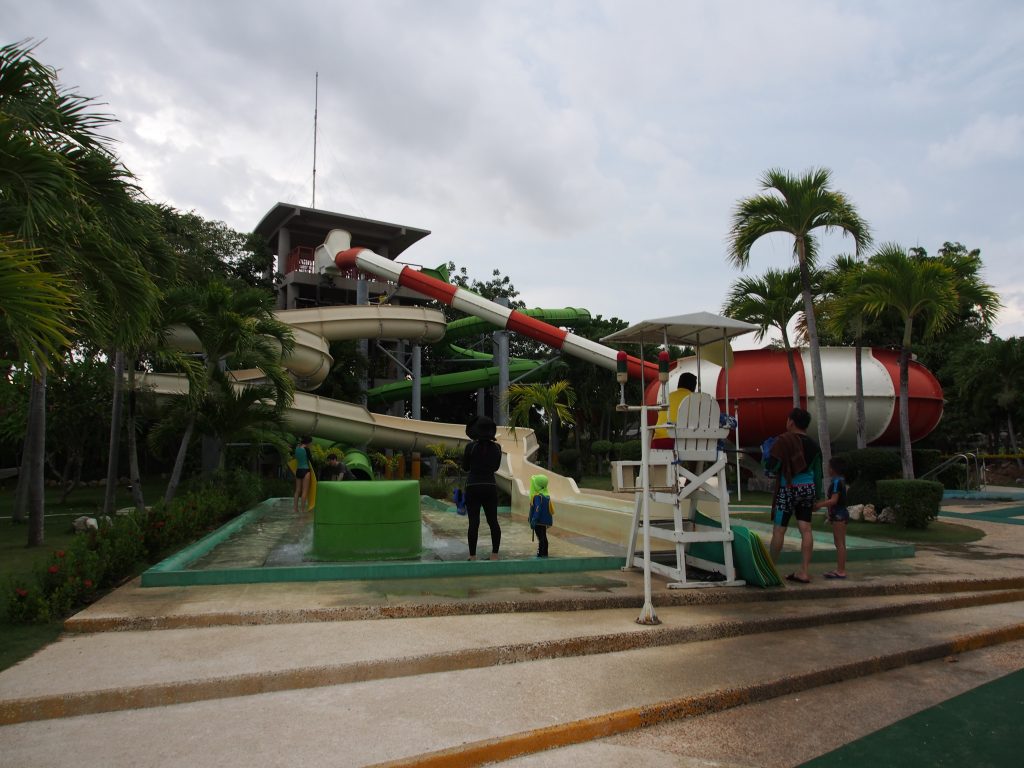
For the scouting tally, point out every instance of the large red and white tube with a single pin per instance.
(509, 319)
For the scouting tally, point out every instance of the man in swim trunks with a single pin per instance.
(796, 460)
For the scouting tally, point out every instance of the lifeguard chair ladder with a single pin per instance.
(693, 471)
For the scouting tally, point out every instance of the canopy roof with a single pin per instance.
(682, 330)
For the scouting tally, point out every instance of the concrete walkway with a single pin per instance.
(535, 670)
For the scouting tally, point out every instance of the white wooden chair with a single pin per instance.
(697, 474)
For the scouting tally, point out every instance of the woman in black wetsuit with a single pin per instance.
(481, 460)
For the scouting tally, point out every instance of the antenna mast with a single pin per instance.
(316, 97)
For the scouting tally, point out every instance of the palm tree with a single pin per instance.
(847, 320)
(798, 205)
(34, 307)
(64, 193)
(769, 301)
(237, 330)
(555, 401)
(917, 290)
(34, 311)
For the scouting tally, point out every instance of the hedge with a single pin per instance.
(915, 502)
(102, 558)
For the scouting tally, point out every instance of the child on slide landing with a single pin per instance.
(542, 511)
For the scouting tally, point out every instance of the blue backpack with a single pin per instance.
(459, 497)
(766, 455)
(541, 511)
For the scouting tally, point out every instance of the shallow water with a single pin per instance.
(281, 538)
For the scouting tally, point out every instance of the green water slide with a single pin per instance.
(463, 381)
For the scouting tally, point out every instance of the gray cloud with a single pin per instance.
(591, 150)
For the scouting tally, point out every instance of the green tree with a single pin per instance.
(991, 376)
(797, 206)
(236, 331)
(34, 307)
(211, 250)
(769, 301)
(918, 291)
(597, 392)
(946, 353)
(554, 401)
(64, 194)
(846, 320)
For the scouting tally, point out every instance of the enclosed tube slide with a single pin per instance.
(761, 393)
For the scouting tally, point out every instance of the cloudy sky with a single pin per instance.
(591, 150)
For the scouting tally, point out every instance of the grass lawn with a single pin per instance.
(20, 561)
(937, 532)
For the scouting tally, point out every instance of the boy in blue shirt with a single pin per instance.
(542, 510)
(838, 514)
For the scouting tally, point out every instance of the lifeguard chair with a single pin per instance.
(695, 469)
(672, 481)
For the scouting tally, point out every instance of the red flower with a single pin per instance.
(21, 592)
(59, 553)
(87, 583)
(53, 569)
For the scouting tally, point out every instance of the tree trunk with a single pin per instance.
(906, 453)
(791, 359)
(824, 439)
(133, 444)
(862, 421)
(1013, 438)
(32, 463)
(28, 448)
(179, 462)
(70, 481)
(114, 450)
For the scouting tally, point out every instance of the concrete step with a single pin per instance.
(104, 672)
(793, 729)
(135, 608)
(472, 716)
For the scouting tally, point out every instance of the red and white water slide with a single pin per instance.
(337, 253)
(760, 391)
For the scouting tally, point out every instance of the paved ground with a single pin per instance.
(489, 668)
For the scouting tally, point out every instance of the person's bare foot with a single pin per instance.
(471, 557)
(494, 555)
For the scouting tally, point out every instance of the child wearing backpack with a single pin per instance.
(542, 511)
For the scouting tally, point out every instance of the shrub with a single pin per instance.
(440, 487)
(105, 557)
(27, 605)
(925, 460)
(865, 467)
(627, 451)
(915, 502)
(569, 459)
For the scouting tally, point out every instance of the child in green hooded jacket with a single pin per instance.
(542, 511)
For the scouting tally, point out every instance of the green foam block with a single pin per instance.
(357, 520)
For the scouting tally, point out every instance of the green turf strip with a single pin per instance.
(980, 728)
(1011, 515)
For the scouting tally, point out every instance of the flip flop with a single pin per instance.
(797, 579)
(834, 575)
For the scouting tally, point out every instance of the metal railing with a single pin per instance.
(970, 461)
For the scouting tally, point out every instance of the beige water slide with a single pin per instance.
(591, 513)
